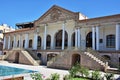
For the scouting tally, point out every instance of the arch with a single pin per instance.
(18, 43)
(89, 40)
(73, 39)
(17, 57)
(50, 56)
(106, 57)
(76, 58)
(110, 41)
(58, 39)
(39, 42)
(23, 43)
(39, 55)
(30, 43)
(48, 41)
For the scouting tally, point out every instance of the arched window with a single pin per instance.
(48, 41)
(23, 43)
(73, 39)
(110, 41)
(30, 43)
(89, 40)
(12, 43)
(18, 43)
(106, 57)
(39, 41)
(58, 39)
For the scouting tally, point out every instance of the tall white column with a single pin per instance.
(93, 38)
(4, 44)
(45, 34)
(97, 38)
(19, 41)
(35, 41)
(26, 41)
(14, 42)
(69, 40)
(63, 36)
(76, 39)
(117, 36)
(9, 42)
(79, 38)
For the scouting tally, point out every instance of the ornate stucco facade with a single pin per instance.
(63, 32)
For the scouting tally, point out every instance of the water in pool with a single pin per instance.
(6, 71)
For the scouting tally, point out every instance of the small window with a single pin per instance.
(101, 41)
(110, 41)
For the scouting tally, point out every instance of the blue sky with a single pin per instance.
(18, 11)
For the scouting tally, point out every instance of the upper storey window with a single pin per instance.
(110, 41)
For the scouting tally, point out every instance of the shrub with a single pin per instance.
(74, 70)
(67, 77)
(36, 76)
(109, 76)
(55, 76)
(96, 75)
(84, 72)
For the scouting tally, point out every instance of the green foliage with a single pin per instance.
(48, 79)
(55, 76)
(78, 79)
(36, 76)
(96, 75)
(84, 72)
(109, 76)
(67, 77)
(74, 70)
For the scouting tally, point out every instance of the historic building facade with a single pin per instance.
(63, 32)
(3, 28)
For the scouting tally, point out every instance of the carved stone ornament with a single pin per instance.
(55, 14)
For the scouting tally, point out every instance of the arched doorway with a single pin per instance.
(58, 39)
(39, 55)
(50, 56)
(75, 59)
(73, 39)
(16, 57)
(48, 42)
(89, 40)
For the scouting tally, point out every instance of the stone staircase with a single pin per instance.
(29, 57)
(96, 59)
(62, 60)
(32, 53)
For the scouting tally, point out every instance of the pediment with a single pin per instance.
(56, 14)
